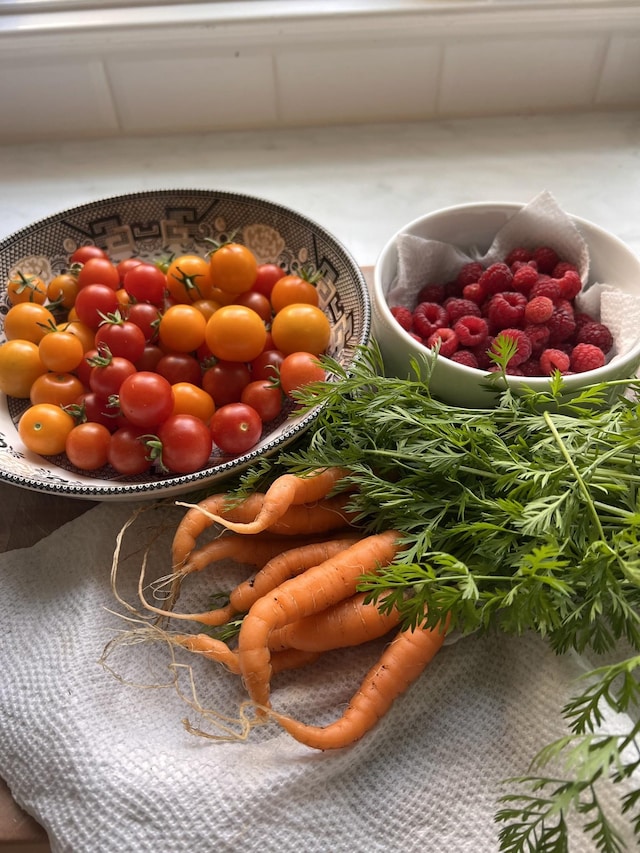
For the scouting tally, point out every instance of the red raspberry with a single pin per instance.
(474, 293)
(538, 310)
(403, 316)
(497, 278)
(431, 293)
(561, 323)
(545, 286)
(538, 334)
(570, 285)
(586, 357)
(452, 288)
(561, 268)
(531, 367)
(472, 331)
(457, 308)
(482, 354)
(416, 337)
(427, 317)
(446, 339)
(552, 360)
(597, 334)
(546, 258)
(469, 273)
(464, 356)
(519, 254)
(523, 351)
(582, 319)
(506, 310)
(524, 278)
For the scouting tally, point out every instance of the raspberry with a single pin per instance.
(552, 360)
(545, 286)
(582, 319)
(523, 350)
(561, 268)
(538, 334)
(538, 310)
(561, 323)
(472, 331)
(496, 279)
(570, 285)
(586, 357)
(431, 293)
(469, 273)
(531, 367)
(519, 254)
(446, 339)
(506, 310)
(546, 258)
(464, 356)
(403, 316)
(457, 308)
(452, 288)
(597, 334)
(481, 354)
(474, 292)
(427, 317)
(524, 279)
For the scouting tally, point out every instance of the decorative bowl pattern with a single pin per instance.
(151, 225)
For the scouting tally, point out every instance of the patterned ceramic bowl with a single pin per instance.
(151, 225)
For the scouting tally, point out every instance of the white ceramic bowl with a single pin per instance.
(475, 225)
(152, 225)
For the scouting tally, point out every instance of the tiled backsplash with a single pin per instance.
(443, 60)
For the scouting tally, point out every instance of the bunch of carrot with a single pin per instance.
(303, 600)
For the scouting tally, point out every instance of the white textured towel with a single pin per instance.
(108, 767)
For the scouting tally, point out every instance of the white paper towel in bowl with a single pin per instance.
(108, 767)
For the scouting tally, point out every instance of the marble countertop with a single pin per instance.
(362, 183)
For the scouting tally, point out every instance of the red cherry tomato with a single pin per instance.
(265, 397)
(94, 302)
(146, 399)
(146, 283)
(122, 337)
(267, 364)
(146, 316)
(180, 367)
(109, 373)
(186, 443)
(124, 266)
(299, 369)
(266, 277)
(87, 446)
(99, 271)
(84, 253)
(257, 302)
(236, 428)
(128, 452)
(225, 381)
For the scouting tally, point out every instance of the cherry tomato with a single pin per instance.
(235, 333)
(293, 288)
(61, 351)
(26, 288)
(125, 265)
(93, 408)
(87, 446)
(182, 328)
(190, 399)
(62, 389)
(267, 364)
(20, 366)
(144, 282)
(122, 337)
(146, 399)
(189, 278)
(99, 271)
(108, 374)
(28, 321)
(128, 452)
(44, 428)
(84, 253)
(265, 397)
(150, 358)
(301, 328)
(94, 302)
(236, 428)
(266, 277)
(63, 289)
(257, 302)
(186, 443)
(180, 367)
(206, 307)
(225, 381)
(146, 316)
(85, 333)
(233, 268)
(299, 369)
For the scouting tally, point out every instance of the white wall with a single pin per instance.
(196, 68)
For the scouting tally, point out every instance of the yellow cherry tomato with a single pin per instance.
(44, 428)
(20, 366)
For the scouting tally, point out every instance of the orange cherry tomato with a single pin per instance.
(20, 366)
(85, 333)
(87, 446)
(26, 288)
(189, 278)
(235, 333)
(61, 351)
(301, 328)
(182, 328)
(28, 321)
(44, 428)
(293, 288)
(189, 399)
(234, 268)
(62, 389)
(63, 289)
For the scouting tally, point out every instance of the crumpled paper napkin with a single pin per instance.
(108, 766)
(540, 222)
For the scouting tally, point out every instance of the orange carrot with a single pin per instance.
(219, 652)
(286, 491)
(316, 589)
(399, 666)
(348, 623)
